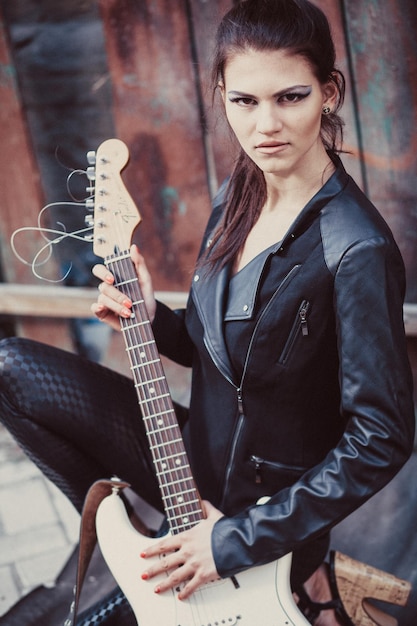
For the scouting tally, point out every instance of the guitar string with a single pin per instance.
(201, 609)
(149, 368)
(186, 509)
(162, 404)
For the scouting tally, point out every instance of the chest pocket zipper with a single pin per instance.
(300, 326)
(259, 463)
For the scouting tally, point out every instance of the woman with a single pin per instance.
(301, 387)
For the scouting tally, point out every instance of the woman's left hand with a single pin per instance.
(187, 557)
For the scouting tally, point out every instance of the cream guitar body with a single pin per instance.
(260, 596)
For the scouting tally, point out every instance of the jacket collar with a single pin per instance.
(210, 291)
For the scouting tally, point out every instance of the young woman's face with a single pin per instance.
(274, 104)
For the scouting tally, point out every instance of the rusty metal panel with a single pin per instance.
(383, 46)
(156, 111)
(351, 159)
(21, 197)
(220, 153)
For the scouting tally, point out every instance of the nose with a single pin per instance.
(269, 119)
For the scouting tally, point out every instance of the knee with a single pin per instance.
(16, 355)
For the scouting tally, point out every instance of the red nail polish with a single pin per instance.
(145, 576)
(157, 589)
(143, 555)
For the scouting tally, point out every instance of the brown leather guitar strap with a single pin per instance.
(88, 536)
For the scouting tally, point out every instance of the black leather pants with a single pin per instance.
(80, 422)
(77, 420)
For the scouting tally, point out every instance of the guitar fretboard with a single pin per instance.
(179, 493)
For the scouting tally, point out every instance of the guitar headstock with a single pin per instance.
(115, 214)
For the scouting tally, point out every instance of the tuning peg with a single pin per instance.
(89, 204)
(91, 157)
(91, 173)
(89, 221)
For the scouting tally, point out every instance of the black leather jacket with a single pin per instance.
(315, 409)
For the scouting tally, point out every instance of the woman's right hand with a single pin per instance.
(112, 303)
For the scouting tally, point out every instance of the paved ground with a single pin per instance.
(38, 527)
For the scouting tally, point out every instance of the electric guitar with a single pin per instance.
(260, 596)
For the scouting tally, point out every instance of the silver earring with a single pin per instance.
(326, 110)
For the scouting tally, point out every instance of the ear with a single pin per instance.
(330, 93)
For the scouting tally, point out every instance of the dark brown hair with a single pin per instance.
(301, 28)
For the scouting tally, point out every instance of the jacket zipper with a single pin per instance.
(299, 324)
(259, 462)
(236, 436)
(239, 390)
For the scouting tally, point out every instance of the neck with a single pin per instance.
(299, 186)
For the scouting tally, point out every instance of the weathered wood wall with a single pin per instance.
(156, 70)
(88, 69)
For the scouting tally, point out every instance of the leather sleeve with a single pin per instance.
(376, 403)
(171, 335)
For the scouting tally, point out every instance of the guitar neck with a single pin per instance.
(181, 499)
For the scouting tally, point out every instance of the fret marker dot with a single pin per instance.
(180, 499)
(164, 466)
(142, 355)
(178, 462)
(160, 422)
(152, 390)
(185, 520)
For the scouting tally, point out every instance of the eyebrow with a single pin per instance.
(275, 95)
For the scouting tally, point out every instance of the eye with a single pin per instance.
(293, 97)
(242, 101)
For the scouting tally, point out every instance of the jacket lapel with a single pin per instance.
(209, 293)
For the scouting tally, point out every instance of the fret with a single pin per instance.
(187, 524)
(135, 325)
(142, 345)
(184, 517)
(163, 429)
(181, 494)
(147, 382)
(171, 456)
(159, 414)
(129, 281)
(181, 470)
(172, 503)
(145, 400)
(139, 365)
(178, 440)
(174, 470)
(174, 507)
(121, 257)
(177, 482)
(174, 512)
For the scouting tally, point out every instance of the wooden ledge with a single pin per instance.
(65, 302)
(61, 302)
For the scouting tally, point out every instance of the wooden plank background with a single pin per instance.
(158, 58)
(156, 111)
(157, 66)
